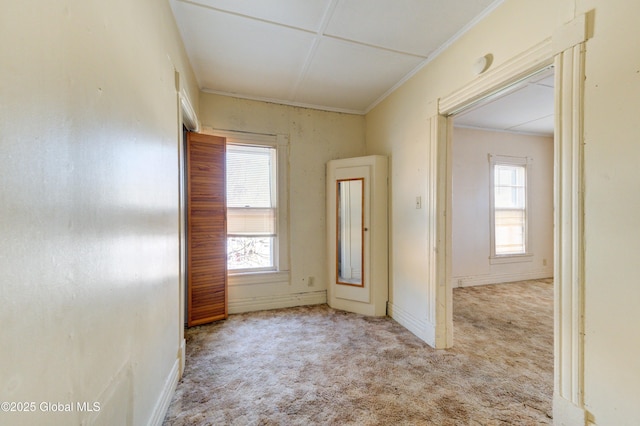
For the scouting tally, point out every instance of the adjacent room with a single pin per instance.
(502, 226)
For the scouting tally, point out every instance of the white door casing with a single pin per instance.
(566, 52)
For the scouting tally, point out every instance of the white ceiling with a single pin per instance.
(336, 55)
(525, 107)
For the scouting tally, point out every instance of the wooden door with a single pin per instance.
(206, 229)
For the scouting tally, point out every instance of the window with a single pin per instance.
(509, 206)
(251, 207)
(257, 207)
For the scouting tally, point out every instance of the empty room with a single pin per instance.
(266, 212)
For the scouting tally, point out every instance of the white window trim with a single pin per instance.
(281, 143)
(527, 162)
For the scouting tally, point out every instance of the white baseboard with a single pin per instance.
(183, 358)
(501, 278)
(162, 405)
(261, 303)
(421, 328)
(566, 413)
(368, 309)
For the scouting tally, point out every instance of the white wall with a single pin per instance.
(88, 208)
(315, 137)
(471, 211)
(612, 213)
(399, 127)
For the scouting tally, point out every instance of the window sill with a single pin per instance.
(253, 278)
(511, 258)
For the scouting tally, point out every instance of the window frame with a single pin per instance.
(527, 163)
(274, 197)
(281, 240)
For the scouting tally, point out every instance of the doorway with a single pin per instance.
(568, 202)
(502, 151)
(502, 185)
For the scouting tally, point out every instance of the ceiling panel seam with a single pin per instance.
(326, 17)
(249, 17)
(433, 55)
(529, 122)
(374, 46)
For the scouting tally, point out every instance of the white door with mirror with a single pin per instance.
(357, 237)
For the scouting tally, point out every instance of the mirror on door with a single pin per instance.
(350, 232)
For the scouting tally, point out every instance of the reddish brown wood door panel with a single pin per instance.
(206, 229)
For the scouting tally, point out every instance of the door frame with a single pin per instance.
(566, 52)
(187, 119)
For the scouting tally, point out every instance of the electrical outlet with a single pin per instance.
(311, 281)
(544, 262)
(418, 202)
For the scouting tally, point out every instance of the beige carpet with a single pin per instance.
(318, 366)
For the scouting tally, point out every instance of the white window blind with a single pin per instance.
(251, 191)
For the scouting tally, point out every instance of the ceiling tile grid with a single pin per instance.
(415, 27)
(226, 60)
(341, 55)
(351, 75)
